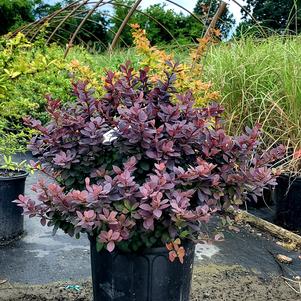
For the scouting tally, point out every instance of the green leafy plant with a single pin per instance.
(10, 168)
(11, 165)
(28, 72)
(11, 144)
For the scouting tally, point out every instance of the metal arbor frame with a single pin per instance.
(74, 10)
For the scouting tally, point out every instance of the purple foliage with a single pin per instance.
(166, 169)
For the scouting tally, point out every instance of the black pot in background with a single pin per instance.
(262, 201)
(11, 218)
(149, 276)
(287, 198)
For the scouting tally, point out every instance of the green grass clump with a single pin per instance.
(259, 81)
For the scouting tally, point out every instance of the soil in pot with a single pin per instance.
(12, 184)
(148, 276)
(287, 198)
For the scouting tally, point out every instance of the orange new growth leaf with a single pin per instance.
(181, 254)
(172, 256)
(169, 246)
(188, 74)
(177, 241)
(176, 251)
(297, 154)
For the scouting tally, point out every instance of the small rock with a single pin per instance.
(206, 295)
(2, 281)
(73, 287)
(284, 259)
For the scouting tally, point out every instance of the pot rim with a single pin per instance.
(22, 174)
(146, 251)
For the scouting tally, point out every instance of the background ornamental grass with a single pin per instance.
(259, 80)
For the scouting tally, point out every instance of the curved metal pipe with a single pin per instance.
(155, 20)
(124, 22)
(50, 17)
(79, 27)
(85, 30)
(250, 15)
(65, 19)
(92, 21)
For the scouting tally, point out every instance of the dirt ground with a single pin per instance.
(211, 282)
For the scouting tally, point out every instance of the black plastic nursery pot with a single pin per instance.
(287, 198)
(148, 276)
(11, 218)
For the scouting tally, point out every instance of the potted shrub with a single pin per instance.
(12, 184)
(13, 140)
(287, 194)
(139, 171)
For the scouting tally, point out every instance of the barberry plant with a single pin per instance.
(134, 169)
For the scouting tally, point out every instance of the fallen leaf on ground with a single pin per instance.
(233, 228)
(284, 259)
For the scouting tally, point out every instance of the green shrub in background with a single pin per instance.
(29, 71)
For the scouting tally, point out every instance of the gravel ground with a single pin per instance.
(210, 282)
